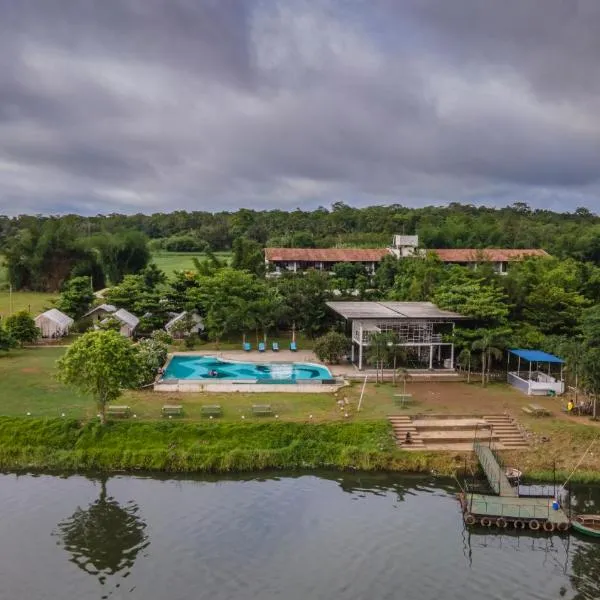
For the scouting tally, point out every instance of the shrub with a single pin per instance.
(332, 347)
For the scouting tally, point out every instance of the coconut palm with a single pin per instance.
(488, 350)
(379, 350)
(464, 358)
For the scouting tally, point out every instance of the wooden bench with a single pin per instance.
(538, 410)
(262, 410)
(211, 410)
(118, 411)
(172, 410)
(527, 410)
(402, 399)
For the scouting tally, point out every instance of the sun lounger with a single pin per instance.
(293, 346)
(261, 347)
(247, 346)
(275, 347)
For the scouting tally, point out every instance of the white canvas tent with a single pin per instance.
(53, 323)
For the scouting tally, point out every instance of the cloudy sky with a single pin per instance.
(155, 105)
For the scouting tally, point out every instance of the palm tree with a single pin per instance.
(465, 358)
(379, 350)
(574, 351)
(404, 377)
(485, 345)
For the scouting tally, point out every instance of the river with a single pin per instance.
(323, 536)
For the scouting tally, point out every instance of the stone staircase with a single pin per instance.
(401, 425)
(507, 432)
(457, 433)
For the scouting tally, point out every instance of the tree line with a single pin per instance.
(575, 234)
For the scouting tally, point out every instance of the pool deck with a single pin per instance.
(284, 356)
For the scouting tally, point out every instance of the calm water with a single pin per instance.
(210, 367)
(311, 537)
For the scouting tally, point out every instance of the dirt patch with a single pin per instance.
(30, 370)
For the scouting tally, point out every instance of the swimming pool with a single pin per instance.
(211, 368)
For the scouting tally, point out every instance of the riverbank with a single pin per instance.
(71, 445)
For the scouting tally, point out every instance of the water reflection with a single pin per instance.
(586, 571)
(106, 537)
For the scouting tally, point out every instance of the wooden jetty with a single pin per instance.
(507, 508)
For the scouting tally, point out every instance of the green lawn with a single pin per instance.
(35, 302)
(29, 385)
(180, 261)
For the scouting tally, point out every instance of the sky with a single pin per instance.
(158, 105)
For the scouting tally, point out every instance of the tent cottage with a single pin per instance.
(53, 323)
(128, 321)
(197, 324)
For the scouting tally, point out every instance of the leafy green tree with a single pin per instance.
(468, 295)
(22, 328)
(416, 279)
(151, 356)
(43, 255)
(123, 254)
(6, 340)
(303, 301)
(331, 347)
(153, 276)
(223, 300)
(247, 255)
(101, 363)
(76, 297)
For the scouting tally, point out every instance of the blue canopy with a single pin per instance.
(537, 356)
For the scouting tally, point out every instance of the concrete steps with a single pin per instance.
(457, 433)
(509, 435)
(403, 425)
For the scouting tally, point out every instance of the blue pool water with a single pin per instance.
(201, 367)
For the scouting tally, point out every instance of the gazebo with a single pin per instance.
(538, 373)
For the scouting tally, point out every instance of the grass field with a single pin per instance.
(181, 261)
(29, 386)
(35, 302)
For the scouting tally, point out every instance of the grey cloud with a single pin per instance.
(162, 104)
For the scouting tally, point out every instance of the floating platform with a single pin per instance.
(517, 512)
(507, 508)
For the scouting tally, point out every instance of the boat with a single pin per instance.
(513, 475)
(587, 525)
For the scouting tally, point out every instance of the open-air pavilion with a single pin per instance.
(424, 330)
(537, 373)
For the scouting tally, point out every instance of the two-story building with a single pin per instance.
(421, 328)
(298, 260)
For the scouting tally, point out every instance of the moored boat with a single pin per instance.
(587, 525)
(513, 475)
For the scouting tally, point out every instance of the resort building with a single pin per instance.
(281, 260)
(294, 260)
(500, 259)
(422, 329)
(53, 323)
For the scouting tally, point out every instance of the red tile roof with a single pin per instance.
(333, 255)
(466, 255)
